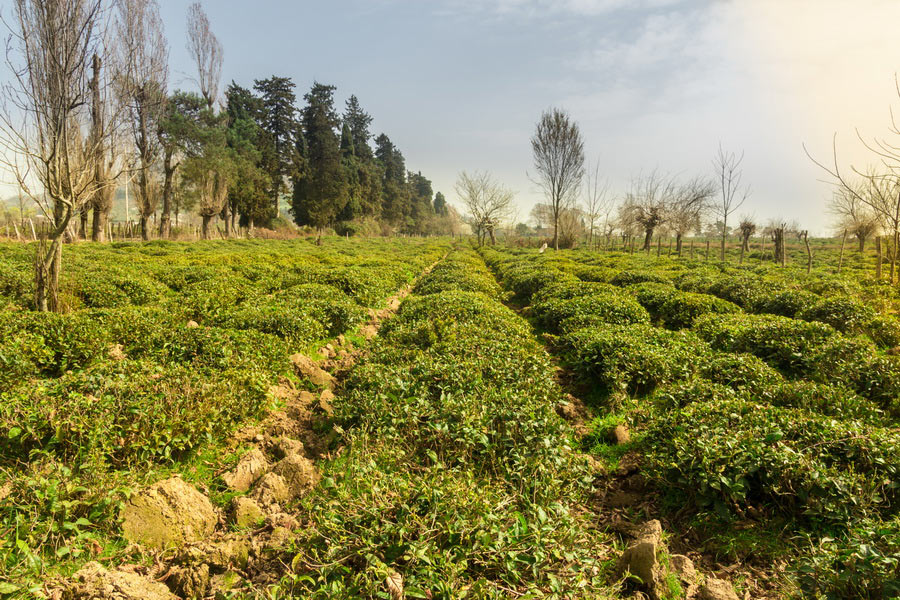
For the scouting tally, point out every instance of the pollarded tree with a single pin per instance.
(647, 204)
(689, 202)
(47, 137)
(487, 202)
(141, 82)
(558, 150)
(321, 192)
(853, 215)
(747, 228)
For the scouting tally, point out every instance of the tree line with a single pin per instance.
(89, 108)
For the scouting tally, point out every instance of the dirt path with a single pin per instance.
(197, 551)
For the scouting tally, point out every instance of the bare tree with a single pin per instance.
(488, 203)
(688, 203)
(647, 204)
(878, 190)
(141, 82)
(597, 200)
(46, 121)
(558, 150)
(206, 51)
(854, 216)
(733, 193)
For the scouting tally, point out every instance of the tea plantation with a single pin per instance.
(520, 425)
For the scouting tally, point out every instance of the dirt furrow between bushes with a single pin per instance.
(184, 546)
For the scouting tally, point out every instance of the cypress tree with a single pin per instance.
(280, 123)
(321, 192)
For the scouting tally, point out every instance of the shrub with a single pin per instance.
(623, 278)
(844, 314)
(127, 412)
(787, 303)
(784, 343)
(735, 453)
(635, 358)
(740, 371)
(606, 308)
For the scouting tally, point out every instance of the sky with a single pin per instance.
(653, 84)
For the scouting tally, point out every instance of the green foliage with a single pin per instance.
(633, 358)
(728, 454)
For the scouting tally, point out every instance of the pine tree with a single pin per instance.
(321, 192)
(358, 121)
(280, 123)
(440, 205)
(249, 143)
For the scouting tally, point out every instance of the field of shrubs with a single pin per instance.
(162, 351)
(763, 403)
(474, 445)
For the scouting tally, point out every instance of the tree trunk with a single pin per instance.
(658, 246)
(862, 242)
(168, 178)
(878, 257)
(227, 218)
(556, 231)
(678, 243)
(808, 253)
(648, 239)
(707, 250)
(204, 228)
(98, 226)
(145, 227)
(83, 218)
(841, 257)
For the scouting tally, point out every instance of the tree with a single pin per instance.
(853, 215)
(689, 202)
(597, 201)
(488, 203)
(181, 136)
(103, 111)
(141, 81)
(279, 121)
(358, 121)
(395, 194)
(647, 204)
(321, 192)
(215, 168)
(732, 192)
(47, 138)
(209, 171)
(249, 195)
(747, 228)
(558, 150)
(440, 204)
(206, 51)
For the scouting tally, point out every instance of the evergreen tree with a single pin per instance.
(321, 192)
(440, 205)
(280, 123)
(249, 195)
(395, 194)
(347, 149)
(358, 121)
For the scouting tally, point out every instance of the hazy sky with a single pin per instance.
(654, 84)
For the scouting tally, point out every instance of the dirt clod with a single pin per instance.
(169, 512)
